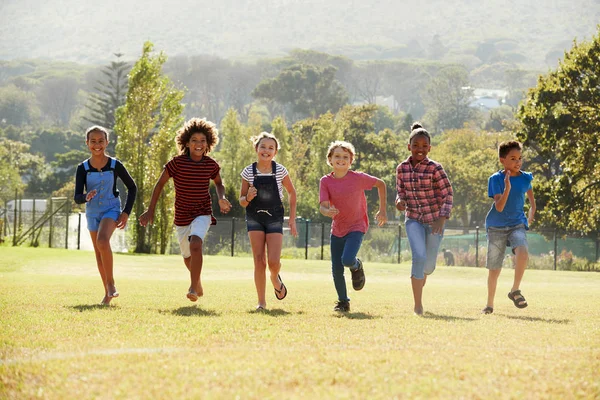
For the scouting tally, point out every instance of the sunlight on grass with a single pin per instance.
(56, 342)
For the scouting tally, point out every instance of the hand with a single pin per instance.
(332, 211)
(400, 205)
(90, 195)
(381, 217)
(122, 220)
(507, 180)
(437, 227)
(252, 193)
(146, 218)
(224, 205)
(292, 225)
(530, 215)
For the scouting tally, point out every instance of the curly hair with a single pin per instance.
(264, 135)
(197, 125)
(344, 145)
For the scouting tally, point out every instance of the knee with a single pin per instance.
(103, 243)
(260, 259)
(274, 263)
(196, 246)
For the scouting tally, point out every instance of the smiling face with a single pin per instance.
(512, 162)
(266, 149)
(419, 148)
(340, 159)
(97, 143)
(197, 145)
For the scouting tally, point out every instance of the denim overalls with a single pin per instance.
(104, 204)
(266, 208)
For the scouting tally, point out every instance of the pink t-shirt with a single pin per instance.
(347, 194)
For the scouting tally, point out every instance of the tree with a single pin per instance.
(58, 98)
(140, 118)
(560, 122)
(17, 107)
(303, 91)
(447, 98)
(108, 96)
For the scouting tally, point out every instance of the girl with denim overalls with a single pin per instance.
(261, 194)
(98, 175)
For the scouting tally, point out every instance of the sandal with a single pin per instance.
(487, 310)
(281, 289)
(518, 299)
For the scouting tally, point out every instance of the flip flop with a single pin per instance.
(281, 288)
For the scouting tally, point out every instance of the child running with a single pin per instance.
(425, 195)
(98, 177)
(342, 197)
(262, 196)
(506, 222)
(192, 171)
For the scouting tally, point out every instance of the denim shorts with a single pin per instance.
(93, 220)
(198, 227)
(267, 222)
(501, 237)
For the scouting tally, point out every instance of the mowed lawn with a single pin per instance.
(153, 343)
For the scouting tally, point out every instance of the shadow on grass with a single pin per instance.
(430, 315)
(356, 315)
(537, 319)
(273, 312)
(191, 311)
(90, 307)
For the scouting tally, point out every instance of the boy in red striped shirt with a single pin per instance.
(192, 171)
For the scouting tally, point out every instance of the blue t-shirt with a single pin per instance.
(513, 213)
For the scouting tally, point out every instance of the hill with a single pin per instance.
(526, 32)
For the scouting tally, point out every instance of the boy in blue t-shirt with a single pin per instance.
(506, 222)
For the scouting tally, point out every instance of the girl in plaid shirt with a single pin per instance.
(425, 196)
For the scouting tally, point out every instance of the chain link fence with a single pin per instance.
(50, 223)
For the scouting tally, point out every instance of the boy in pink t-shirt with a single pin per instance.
(342, 197)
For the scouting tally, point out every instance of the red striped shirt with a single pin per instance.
(192, 180)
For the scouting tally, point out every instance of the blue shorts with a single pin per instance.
(264, 222)
(93, 221)
(501, 237)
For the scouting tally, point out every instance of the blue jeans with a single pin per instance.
(424, 246)
(343, 254)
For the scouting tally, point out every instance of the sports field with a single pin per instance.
(153, 343)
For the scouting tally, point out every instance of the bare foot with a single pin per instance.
(192, 295)
(418, 311)
(199, 290)
(112, 291)
(105, 301)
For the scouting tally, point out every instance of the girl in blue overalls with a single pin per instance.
(98, 176)
(262, 194)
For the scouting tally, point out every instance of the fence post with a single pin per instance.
(51, 225)
(20, 224)
(232, 236)
(477, 246)
(323, 239)
(67, 209)
(33, 221)
(15, 220)
(79, 232)
(555, 248)
(597, 245)
(399, 243)
(306, 240)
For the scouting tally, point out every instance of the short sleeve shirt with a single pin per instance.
(347, 194)
(192, 180)
(280, 173)
(513, 213)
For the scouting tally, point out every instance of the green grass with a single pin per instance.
(56, 343)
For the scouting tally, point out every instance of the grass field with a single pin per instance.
(56, 343)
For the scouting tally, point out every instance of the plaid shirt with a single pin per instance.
(425, 189)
